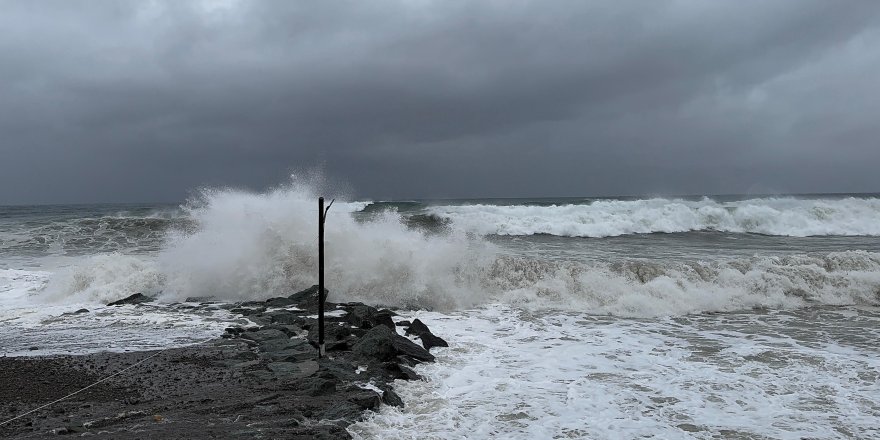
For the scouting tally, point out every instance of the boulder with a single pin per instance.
(377, 343)
(417, 327)
(307, 299)
(366, 399)
(397, 371)
(361, 316)
(406, 347)
(279, 302)
(383, 317)
(137, 298)
(389, 397)
(429, 340)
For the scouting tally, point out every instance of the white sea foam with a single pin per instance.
(606, 218)
(30, 325)
(254, 246)
(516, 375)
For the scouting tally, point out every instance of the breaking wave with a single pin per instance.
(253, 246)
(607, 218)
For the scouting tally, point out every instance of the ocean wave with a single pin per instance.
(255, 246)
(607, 218)
(88, 235)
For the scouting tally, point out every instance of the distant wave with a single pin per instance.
(607, 218)
(90, 235)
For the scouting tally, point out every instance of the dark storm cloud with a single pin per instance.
(110, 100)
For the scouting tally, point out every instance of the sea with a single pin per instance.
(699, 317)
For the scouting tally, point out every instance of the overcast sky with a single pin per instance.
(145, 101)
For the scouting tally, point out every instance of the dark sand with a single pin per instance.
(260, 382)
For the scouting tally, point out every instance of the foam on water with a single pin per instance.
(29, 325)
(604, 218)
(252, 246)
(514, 374)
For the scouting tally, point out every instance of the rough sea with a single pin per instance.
(738, 317)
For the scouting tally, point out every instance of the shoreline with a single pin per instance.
(261, 381)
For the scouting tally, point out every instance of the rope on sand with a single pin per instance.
(87, 387)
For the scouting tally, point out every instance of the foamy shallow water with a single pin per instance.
(29, 327)
(513, 374)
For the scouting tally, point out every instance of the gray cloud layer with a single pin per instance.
(130, 101)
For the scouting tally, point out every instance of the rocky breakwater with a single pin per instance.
(260, 380)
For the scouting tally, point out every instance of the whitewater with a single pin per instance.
(655, 317)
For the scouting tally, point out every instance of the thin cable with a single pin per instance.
(83, 389)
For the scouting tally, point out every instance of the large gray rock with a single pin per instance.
(377, 343)
(137, 298)
(361, 316)
(429, 340)
(307, 299)
(389, 397)
(383, 344)
(409, 348)
(279, 302)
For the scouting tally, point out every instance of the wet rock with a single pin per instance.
(307, 299)
(417, 327)
(408, 348)
(80, 311)
(288, 329)
(318, 386)
(234, 330)
(383, 344)
(366, 399)
(264, 335)
(406, 361)
(291, 370)
(429, 340)
(389, 397)
(397, 371)
(383, 317)
(377, 343)
(341, 411)
(403, 323)
(279, 302)
(285, 318)
(361, 316)
(137, 298)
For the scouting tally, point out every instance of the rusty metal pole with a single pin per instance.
(321, 215)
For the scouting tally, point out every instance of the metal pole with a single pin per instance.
(320, 277)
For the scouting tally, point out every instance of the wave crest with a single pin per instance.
(608, 218)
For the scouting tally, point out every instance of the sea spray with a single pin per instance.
(239, 245)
